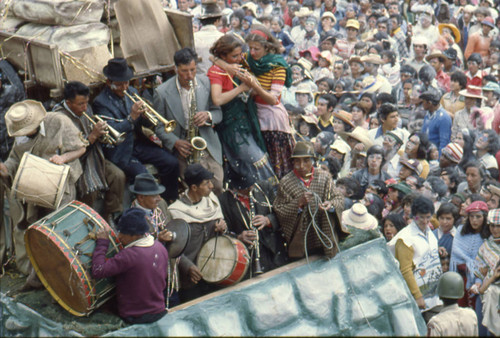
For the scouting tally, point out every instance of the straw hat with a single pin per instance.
(372, 58)
(330, 15)
(306, 65)
(358, 217)
(473, 92)
(341, 146)
(251, 7)
(436, 53)
(371, 84)
(303, 12)
(24, 117)
(360, 134)
(344, 116)
(304, 88)
(354, 58)
(453, 28)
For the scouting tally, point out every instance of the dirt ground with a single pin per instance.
(102, 321)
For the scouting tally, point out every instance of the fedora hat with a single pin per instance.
(360, 134)
(473, 92)
(453, 28)
(145, 184)
(344, 116)
(118, 70)
(209, 9)
(24, 117)
(358, 217)
(303, 149)
(436, 53)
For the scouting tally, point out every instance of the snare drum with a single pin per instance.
(60, 248)
(223, 260)
(40, 182)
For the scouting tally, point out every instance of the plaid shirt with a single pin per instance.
(400, 39)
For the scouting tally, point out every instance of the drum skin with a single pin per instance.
(40, 182)
(223, 260)
(60, 248)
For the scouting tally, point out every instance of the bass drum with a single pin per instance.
(60, 248)
(223, 260)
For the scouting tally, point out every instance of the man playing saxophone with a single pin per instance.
(174, 100)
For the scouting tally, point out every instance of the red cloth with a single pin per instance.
(219, 76)
(443, 80)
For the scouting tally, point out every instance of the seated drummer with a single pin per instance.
(140, 269)
(246, 205)
(199, 207)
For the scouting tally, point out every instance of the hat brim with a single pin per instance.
(371, 222)
(159, 191)
(464, 93)
(435, 55)
(118, 78)
(456, 32)
(360, 138)
(342, 118)
(37, 119)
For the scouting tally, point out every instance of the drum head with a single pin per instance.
(217, 259)
(182, 233)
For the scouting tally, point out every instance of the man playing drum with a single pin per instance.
(305, 193)
(140, 269)
(199, 207)
(99, 174)
(47, 135)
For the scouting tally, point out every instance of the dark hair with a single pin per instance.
(475, 57)
(459, 77)
(423, 147)
(352, 186)
(225, 45)
(385, 109)
(475, 164)
(448, 208)
(378, 48)
(209, 21)
(371, 96)
(408, 69)
(493, 144)
(438, 186)
(375, 149)
(398, 17)
(75, 88)
(376, 207)
(239, 14)
(396, 219)
(452, 174)
(422, 205)
(468, 149)
(328, 80)
(332, 100)
(334, 165)
(185, 56)
(270, 43)
(485, 229)
(391, 56)
(408, 199)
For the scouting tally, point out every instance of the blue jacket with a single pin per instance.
(438, 127)
(110, 105)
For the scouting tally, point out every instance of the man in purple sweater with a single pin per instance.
(140, 269)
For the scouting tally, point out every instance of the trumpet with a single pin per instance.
(152, 115)
(112, 136)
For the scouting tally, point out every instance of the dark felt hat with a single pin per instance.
(133, 222)
(303, 149)
(210, 9)
(118, 70)
(195, 174)
(145, 184)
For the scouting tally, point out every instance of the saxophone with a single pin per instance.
(197, 142)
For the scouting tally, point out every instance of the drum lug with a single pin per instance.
(66, 233)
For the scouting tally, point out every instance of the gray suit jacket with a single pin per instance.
(167, 102)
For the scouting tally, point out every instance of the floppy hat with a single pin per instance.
(436, 53)
(359, 134)
(341, 146)
(453, 28)
(313, 50)
(145, 184)
(344, 116)
(473, 92)
(24, 117)
(118, 70)
(352, 23)
(358, 217)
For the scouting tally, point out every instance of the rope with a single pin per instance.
(83, 67)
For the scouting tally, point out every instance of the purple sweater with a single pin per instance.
(141, 274)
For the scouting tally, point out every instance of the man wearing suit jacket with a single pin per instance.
(172, 99)
(126, 117)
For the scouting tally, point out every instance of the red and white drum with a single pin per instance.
(223, 260)
(60, 247)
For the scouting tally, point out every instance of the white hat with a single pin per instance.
(24, 117)
(358, 217)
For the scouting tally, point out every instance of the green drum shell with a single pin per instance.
(60, 248)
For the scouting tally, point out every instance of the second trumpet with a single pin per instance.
(152, 115)
(112, 136)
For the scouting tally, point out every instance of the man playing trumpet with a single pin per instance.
(174, 100)
(126, 116)
(99, 174)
